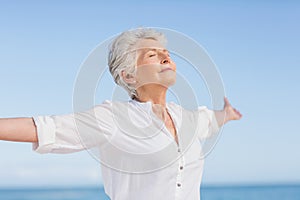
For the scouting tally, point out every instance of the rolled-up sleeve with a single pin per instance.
(46, 128)
(73, 132)
(207, 123)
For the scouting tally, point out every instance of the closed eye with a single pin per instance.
(151, 55)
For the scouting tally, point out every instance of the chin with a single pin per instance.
(169, 82)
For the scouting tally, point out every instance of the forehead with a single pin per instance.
(146, 44)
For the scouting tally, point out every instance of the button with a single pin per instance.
(181, 168)
(178, 184)
(179, 150)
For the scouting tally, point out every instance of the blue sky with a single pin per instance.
(255, 46)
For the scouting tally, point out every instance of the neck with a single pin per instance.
(156, 96)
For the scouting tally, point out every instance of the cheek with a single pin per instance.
(145, 63)
(146, 73)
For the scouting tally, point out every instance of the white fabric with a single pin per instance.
(180, 180)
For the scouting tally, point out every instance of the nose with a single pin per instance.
(165, 59)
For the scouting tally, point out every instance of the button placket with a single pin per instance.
(178, 183)
(180, 160)
(180, 165)
(179, 173)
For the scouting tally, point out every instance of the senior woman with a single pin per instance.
(145, 125)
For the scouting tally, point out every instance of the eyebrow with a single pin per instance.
(155, 49)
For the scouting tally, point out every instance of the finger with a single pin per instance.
(236, 111)
(239, 114)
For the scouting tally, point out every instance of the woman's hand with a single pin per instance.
(231, 112)
(227, 114)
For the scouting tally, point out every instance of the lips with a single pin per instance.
(166, 69)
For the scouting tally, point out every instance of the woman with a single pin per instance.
(150, 149)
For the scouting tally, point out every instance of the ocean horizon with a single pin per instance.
(208, 192)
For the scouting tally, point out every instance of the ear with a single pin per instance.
(128, 78)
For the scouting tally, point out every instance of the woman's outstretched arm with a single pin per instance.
(18, 130)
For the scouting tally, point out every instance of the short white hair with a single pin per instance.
(122, 54)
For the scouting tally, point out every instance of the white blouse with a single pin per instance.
(140, 158)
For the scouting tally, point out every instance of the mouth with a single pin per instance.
(166, 69)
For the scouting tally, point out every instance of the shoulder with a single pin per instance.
(193, 109)
(109, 106)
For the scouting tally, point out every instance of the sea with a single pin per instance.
(251, 192)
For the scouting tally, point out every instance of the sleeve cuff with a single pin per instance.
(213, 127)
(46, 134)
(212, 124)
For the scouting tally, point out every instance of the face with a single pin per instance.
(154, 65)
